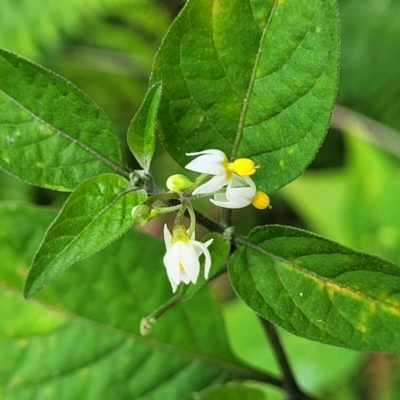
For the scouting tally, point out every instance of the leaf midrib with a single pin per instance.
(321, 278)
(66, 136)
(76, 237)
(250, 86)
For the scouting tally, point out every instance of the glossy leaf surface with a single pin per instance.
(260, 83)
(96, 213)
(318, 289)
(51, 134)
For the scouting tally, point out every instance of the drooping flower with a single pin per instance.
(240, 192)
(214, 162)
(182, 257)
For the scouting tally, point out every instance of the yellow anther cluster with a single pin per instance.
(260, 200)
(242, 167)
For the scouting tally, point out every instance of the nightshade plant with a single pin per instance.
(242, 93)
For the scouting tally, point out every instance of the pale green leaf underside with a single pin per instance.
(142, 130)
(255, 79)
(51, 134)
(96, 213)
(80, 337)
(318, 289)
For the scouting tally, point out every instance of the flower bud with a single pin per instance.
(141, 213)
(260, 200)
(178, 183)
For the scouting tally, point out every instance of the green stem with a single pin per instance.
(156, 212)
(147, 323)
(192, 215)
(199, 180)
(208, 223)
(163, 197)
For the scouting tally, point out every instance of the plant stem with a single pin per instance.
(147, 323)
(293, 392)
(208, 223)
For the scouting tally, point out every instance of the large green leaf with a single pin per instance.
(51, 133)
(318, 289)
(80, 337)
(96, 213)
(142, 130)
(255, 79)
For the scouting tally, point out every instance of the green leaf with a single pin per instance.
(253, 79)
(96, 213)
(51, 134)
(80, 337)
(233, 391)
(219, 251)
(318, 289)
(142, 130)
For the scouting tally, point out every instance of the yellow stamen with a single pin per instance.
(260, 200)
(181, 266)
(242, 167)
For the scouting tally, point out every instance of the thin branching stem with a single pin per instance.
(290, 386)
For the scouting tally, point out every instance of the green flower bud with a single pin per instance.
(178, 183)
(141, 213)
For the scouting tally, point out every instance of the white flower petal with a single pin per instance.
(248, 180)
(217, 154)
(171, 262)
(184, 276)
(190, 261)
(215, 183)
(209, 162)
(174, 285)
(229, 204)
(182, 259)
(167, 237)
(240, 195)
(206, 165)
(202, 248)
(233, 197)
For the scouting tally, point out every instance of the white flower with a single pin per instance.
(240, 192)
(182, 258)
(214, 162)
